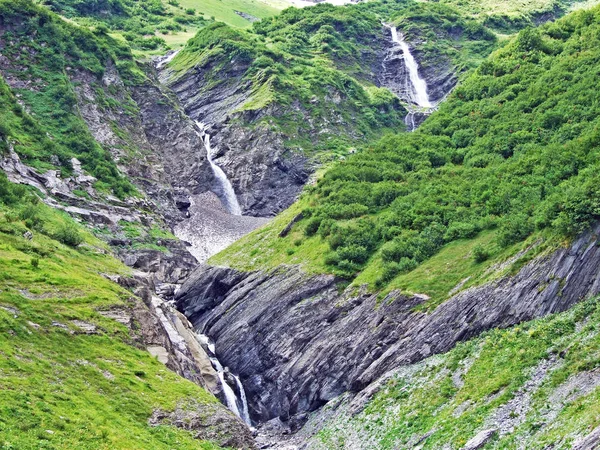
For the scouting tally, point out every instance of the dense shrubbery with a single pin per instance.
(442, 32)
(137, 19)
(517, 148)
(295, 59)
(52, 132)
(318, 62)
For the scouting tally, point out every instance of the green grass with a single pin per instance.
(224, 10)
(454, 264)
(512, 14)
(59, 388)
(513, 150)
(263, 249)
(424, 399)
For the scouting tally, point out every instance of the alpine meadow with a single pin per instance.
(299, 224)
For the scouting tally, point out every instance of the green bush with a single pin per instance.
(68, 234)
(480, 254)
(515, 148)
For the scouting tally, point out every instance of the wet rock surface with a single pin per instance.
(292, 338)
(206, 422)
(266, 176)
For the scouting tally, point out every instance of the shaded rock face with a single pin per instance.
(297, 342)
(266, 177)
(169, 163)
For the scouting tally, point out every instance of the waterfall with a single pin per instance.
(245, 412)
(226, 192)
(417, 88)
(164, 60)
(412, 88)
(237, 405)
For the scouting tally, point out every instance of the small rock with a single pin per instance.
(591, 441)
(159, 353)
(85, 327)
(289, 226)
(28, 235)
(11, 310)
(33, 325)
(480, 439)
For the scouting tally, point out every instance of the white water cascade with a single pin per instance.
(418, 87)
(163, 61)
(415, 86)
(226, 192)
(237, 405)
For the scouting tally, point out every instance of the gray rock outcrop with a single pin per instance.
(297, 342)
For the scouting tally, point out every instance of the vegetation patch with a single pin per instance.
(62, 386)
(448, 399)
(511, 153)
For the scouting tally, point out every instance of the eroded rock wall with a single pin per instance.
(297, 341)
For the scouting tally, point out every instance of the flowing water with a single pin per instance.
(237, 405)
(166, 59)
(417, 88)
(225, 190)
(414, 87)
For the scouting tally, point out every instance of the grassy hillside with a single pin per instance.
(536, 384)
(512, 154)
(38, 115)
(60, 386)
(311, 71)
(153, 26)
(225, 10)
(509, 15)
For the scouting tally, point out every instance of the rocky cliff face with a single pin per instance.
(159, 148)
(297, 341)
(439, 73)
(265, 173)
(155, 143)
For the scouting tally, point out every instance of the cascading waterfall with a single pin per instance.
(237, 405)
(166, 59)
(416, 87)
(226, 192)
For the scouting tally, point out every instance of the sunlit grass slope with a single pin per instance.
(61, 388)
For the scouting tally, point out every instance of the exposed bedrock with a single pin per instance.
(297, 342)
(266, 175)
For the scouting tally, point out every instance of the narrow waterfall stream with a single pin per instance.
(226, 192)
(415, 86)
(237, 404)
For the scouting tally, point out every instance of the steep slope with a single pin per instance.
(467, 224)
(71, 93)
(509, 15)
(304, 88)
(75, 372)
(512, 151)
(156, 25)
(94, 135)
(541, 393)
